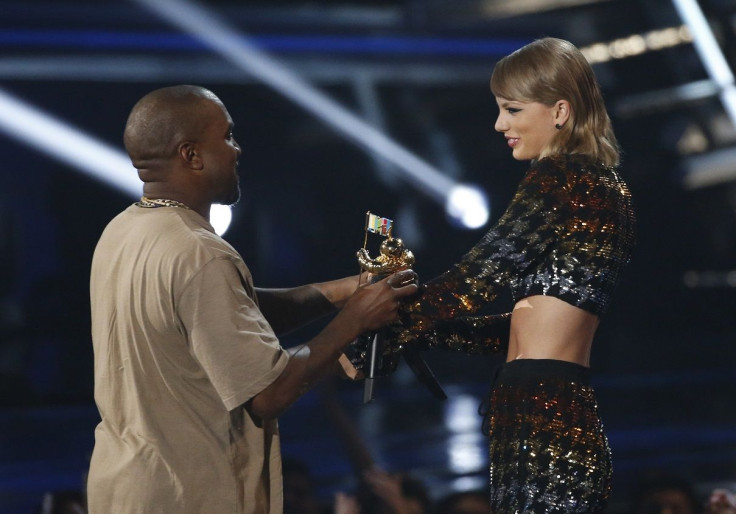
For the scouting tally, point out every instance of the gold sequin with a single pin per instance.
(548, 451)
(568, 233)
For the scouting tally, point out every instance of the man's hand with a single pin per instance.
(374, 305)
(369, 308)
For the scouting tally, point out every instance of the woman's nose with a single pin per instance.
(500, 125)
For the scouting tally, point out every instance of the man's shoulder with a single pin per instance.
(170, 234)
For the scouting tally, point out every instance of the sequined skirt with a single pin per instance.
(548, 452)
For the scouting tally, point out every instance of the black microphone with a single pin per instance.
(374, 353)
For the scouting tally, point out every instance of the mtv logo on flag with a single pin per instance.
(378, 225)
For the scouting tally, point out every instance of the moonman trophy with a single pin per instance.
(393, 257)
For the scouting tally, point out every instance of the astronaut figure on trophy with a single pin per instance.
(369, 354)
(393, 256)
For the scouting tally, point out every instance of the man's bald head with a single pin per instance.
(163, 119)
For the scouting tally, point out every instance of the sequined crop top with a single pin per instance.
(568, 233)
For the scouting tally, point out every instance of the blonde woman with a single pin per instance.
(560, 248)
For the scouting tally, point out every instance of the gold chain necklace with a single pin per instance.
(150, 203)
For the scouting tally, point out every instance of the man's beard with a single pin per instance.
(234, 197)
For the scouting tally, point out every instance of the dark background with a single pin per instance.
(664, 355)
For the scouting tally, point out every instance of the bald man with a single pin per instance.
(189, 373)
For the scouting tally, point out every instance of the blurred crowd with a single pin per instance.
(381, 492)
(378, 491)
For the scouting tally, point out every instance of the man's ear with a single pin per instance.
(189, 154)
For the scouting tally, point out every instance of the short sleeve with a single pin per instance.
(228, 334)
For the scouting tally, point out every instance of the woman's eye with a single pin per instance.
(513, 110)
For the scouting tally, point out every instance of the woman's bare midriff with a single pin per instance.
(545, 327)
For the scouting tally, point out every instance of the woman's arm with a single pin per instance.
(519, 240)
(472, 334)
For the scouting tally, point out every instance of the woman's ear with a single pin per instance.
(561, 113)
(188, 153)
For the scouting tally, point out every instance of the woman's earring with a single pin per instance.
(558, 126)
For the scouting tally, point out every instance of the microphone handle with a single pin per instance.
(375, 349)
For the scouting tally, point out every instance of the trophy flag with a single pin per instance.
(377, 225)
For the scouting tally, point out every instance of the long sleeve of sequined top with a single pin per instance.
(568, 233)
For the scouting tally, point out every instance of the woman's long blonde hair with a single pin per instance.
(549, 70)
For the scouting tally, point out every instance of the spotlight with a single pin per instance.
(468, 206)
(220, 218)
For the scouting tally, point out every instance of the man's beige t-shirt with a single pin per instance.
(180, 346)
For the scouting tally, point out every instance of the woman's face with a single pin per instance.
(529, 127)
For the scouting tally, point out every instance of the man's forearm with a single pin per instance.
(307, 364)
(368, 308)
(289, 309)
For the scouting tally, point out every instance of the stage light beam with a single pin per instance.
(59, 140)
(69, 145)
(710, 53)
(234, 46)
